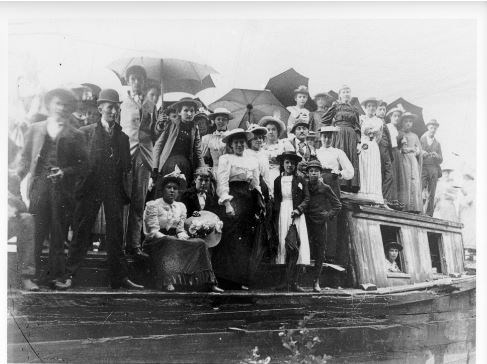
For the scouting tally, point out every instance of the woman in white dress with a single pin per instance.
(273, 146)
(212, 146)
(369, 154)
(291, 198)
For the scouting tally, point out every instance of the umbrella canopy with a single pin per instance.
(354, 101)
(418, 127)
(249, 106)
(284, 84)
(175, 75)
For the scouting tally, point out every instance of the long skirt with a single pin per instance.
(183, 163)
(396, 172)
(181, 262)
(285, 222)
(410, 183)
(346, 139)
(370, 172)
(231, 258)
(331, 225)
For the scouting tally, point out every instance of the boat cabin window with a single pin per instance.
(390, 234)
(434, 240)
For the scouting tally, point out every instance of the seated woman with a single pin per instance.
(392, 250)
(177, 258)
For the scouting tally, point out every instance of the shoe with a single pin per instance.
(62, 286)
(316, 287)
(127, 283)
(297, 288)
(170, 288)
(216, 289)
(137, 253)
(244, 288)
(30, 286)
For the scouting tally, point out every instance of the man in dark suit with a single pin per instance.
(202, 195)
(432, 158)
(137, 119)
(55, 155)
(386, 156)
(106, 181)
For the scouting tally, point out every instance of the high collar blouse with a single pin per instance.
(272, 151)
(263, 162)
(231, 168)
(336, 160)
(212, 145)
(158, 214)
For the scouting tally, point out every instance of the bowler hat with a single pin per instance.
(108, 95)
(64, 94)
(221, 111)
(237, 132)
(301, 90)
(186, 101)
(272, 120)
(314, 163)
(433, 122)
(394, 245)
(289, 154)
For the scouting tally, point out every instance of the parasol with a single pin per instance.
(418, 127)
(249, 106)
(284, 84)
(174, 75)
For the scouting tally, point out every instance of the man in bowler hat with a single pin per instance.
(432, 159)
(107, 181)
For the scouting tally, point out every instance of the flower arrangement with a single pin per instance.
(202, 224)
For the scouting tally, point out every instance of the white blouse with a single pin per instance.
(336, 160)
(272, 151)
(212, 145)
(394, 134)
(232, 167)
(158, 215)
(263, 162)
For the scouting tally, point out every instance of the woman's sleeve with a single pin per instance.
(265, 172)
(256, 177)
(347, 171)
(181, 233)
(197, 152)
(329, 115)
(158, 146)
(223, 174)
(151, 221)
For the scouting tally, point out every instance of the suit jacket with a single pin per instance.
(71, 155)
(190, 199)
(165, 143)
(434, 147)
(309, 150)
(300, 195)
(323, 203)
(93, 138)
(138, 122)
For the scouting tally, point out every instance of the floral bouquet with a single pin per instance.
(204, 225)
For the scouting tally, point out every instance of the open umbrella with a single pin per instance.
(174, 75)
(418, 127)
(249, 106)
(284, 84)
(354, 101)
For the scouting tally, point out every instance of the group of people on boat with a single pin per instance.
(272, 197)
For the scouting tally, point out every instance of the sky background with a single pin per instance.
(431, 63)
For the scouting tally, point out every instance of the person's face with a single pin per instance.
(202, 183)
(221, 122)
(321, 102)
(432, 130)
(289, 166)
(393, 253)
(153, 95)
(301, 99)
(370, 108)
(169, 192)
(238, 145)
(408, 124)
(326, 139)
(301, 133)
(109, 112)
(202, 125)
(311, 141)
(345, 94)
(136, 83)
(258, 141)
(272, 132)
(173, 116)
(314, 174)
(92, 115)
(59, 109)
(186, 113)
(395, 117)
(381, 111)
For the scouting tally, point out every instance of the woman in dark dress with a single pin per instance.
(176, 258)
(238, 190)
(346, 117)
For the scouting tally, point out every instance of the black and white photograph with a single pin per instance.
(251, 183)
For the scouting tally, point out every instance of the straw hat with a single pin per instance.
(301, 90)
(272, 120)
(236, 133)
(370, 99)
(186, 101)
(255, 128)
(221, 111)
(433, 122)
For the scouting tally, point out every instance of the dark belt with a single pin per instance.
(171, 231)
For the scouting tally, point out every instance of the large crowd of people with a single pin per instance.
(142, 172)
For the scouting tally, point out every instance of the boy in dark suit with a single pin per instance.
(323, 205)
(202, 195)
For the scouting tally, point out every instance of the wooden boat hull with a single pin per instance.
(403, 324)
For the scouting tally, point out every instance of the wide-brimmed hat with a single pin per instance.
(236, 133)
(221, 111)
(256, 129)
(290, 154)
(394, 245)
(393, 110)
(314, 163)
(108, 95)
(272, 120)
(186, 101)
(301, 90)
(370, 99)
(210, 219)
(433, 122)
(176, 176)
(328, 129)
(63, 93)
(299, 122)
